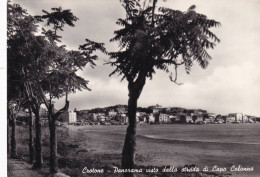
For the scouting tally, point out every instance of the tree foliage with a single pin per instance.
(61, 77)
(169, 38)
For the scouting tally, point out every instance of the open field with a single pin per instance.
(223, 145)
(100, 146)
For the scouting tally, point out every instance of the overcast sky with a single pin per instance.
(231, 83)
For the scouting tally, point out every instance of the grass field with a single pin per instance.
(223, 145)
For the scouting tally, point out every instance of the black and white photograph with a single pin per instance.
(131, 88)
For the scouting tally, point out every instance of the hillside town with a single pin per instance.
(117, 115)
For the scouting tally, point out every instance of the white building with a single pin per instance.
(123, 119)
(235, 117)
(163, 118)
(112, 113)
(151, 118)
(189, 119)
(72, 117)
(102, 118)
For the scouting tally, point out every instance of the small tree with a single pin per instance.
(33, 73)
(58, 83)
(150, 41)
(61, 78)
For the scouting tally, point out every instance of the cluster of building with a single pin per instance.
(152, 115)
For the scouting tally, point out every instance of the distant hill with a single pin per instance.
(104, 110)
(147, 110)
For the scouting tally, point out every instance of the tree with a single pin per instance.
(20, 27)
(25, 52)
(150, 41)
(33, 72)
(15, 97)
(61, 78)
(58, 83)
(40, 70)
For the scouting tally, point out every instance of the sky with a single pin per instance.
(230, 84)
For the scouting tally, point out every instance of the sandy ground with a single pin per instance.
(198, 150)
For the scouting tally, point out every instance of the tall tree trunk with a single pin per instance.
(13, 137)
(38, 141)
(53, 137)
(128, 155)
(31, 148)
(53, 147)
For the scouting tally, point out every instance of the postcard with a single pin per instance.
(132, 88)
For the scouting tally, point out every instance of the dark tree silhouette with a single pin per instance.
(20, 28)
(62, 79)
(148, 41)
